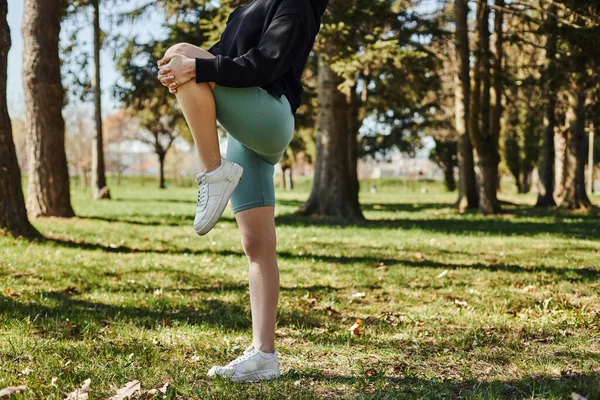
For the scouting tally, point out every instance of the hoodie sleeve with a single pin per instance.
(283, 44)
(214, 49)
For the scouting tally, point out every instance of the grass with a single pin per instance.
(455, 306)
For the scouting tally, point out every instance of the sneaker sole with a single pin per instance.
(239, 172)
(257, 376)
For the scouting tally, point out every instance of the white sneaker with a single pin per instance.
(252, 366)
(214, 191)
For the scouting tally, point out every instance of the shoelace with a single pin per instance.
(202, 189)
(243, 357)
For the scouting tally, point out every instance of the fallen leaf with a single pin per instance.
(528, 288)
(10, 390)
(460, 303)
(355, 329)
(569, 374)
(370, 372)
(71, 290)
(158, 292)
(380, 266)
(442, 274)
(419, 255)
(576, 396)
(130, 389)
(81, 393)
(53, 382)
(12, 293)
(26, 371)
(358, 295)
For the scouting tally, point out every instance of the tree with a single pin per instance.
(147, 101)
(467, 188)
(119, 128)
(76, 68)
(571, 190)
(79, 136)
(485, 115)
(13, 215)
(546, 182)
(100, 190)
(383, 75)
(48, 188)
(335, 187)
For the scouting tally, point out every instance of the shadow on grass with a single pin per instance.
(68, 314)
(565, 225)
(151, 219)
(588, 274)
(405, 387)
(513, 222)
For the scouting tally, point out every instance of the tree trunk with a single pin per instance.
(48, 188)
(283, 178)
(83, 178)
(13, 215)
(590, 177)
(572, 194)
(161, 180)
(546, 181)
(467, 186)
(449, 177)
(100, 190)
(485, 121)
(335, 187)
(290, 178)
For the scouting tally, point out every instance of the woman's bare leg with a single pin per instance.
(257, 226)
(198, 106)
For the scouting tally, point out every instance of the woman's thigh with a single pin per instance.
(256, 188)
(188, 50)
(256, 119)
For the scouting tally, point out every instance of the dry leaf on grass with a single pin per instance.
(162, 390)
(460, 303)
(442, 274)
(26, 371)
(355, 329)
(81, 393)
(371, 371)
(358, 295)
(130, 389)
(7, 391)
(576, 396)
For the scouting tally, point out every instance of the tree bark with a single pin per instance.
(485, 121)
(100, 190)
(546, 181)
(161, 179)
(572, 194)
(590, 177)
(48, 188)
(13, 215)
(335, 187)
(467, 185)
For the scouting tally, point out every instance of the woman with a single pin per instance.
(250, 82)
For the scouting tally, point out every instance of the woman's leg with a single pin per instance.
(198, 106)
(257, 226)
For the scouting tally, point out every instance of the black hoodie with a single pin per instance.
(266, 43)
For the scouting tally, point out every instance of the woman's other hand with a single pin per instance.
(175, 70)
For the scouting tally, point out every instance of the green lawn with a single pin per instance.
(454, 306)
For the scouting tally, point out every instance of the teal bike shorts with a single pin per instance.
(259, 127)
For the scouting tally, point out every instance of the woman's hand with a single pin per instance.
(175, 70)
